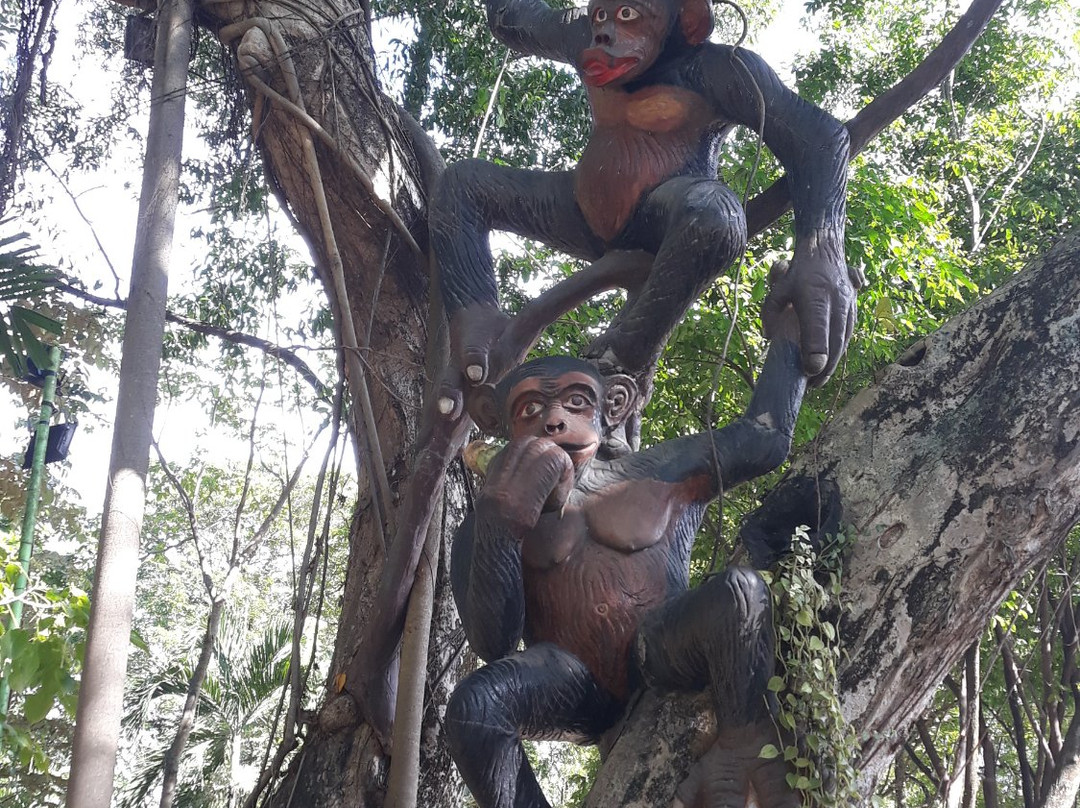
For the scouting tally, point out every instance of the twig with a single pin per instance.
(770, 204)
(227, 334)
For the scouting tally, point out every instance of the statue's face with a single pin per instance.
(628, 37)
(565, 409)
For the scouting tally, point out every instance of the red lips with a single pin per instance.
(599, 68)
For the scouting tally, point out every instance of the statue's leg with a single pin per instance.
(473, 198)
(697, 229)
(719, 635)
(542, 692)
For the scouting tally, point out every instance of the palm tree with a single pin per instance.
(22, 280)
(234, 703)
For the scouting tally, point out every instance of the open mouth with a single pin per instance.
(598, 69)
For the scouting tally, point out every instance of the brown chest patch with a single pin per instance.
(638, 141)
(660, 112)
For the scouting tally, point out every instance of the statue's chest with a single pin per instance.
(638, 141)
(624, 517)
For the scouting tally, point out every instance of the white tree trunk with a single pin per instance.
(958, 472)
(101, 695)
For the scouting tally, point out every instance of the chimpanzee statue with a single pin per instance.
(663, 98)
(587, 561)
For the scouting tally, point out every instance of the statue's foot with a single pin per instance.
(482, 350)
(732, 773)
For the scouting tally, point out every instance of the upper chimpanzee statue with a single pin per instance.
(587, 560)
(662, 99)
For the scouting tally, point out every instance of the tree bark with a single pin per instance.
(354, 171)
(957, 473)
(101, 694)
(1065, 782)
(171, 765)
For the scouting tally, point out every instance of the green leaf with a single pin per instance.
(39, 319)
(138, 641)
(7, 348)
(37, 705)
(34, 346)
(24, 661)
(769, 752)
(776, 684)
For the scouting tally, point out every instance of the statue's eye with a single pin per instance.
(600, 15)
(532, 409)
(625, 14)
(577, 401)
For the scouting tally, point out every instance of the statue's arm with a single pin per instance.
(750, 446)
(814, 150)
(810, 143)
(485, 575)
(534, 28)
(527, 476)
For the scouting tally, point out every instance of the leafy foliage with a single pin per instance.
(233, 709)
(807, 589)
(22, 280)
(40, 661)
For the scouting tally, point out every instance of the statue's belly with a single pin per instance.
(592, 604)
(637, 142)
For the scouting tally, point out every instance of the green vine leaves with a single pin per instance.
(819, 745)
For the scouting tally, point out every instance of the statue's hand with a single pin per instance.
(821, 291)
(480, 353)
(530, 475)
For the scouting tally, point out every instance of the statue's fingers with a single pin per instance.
(474, 361)
(475, 364)
(781, 293)
(560, 494)
(814, 312)
(449, 400)
(839, 334)
(850, 330)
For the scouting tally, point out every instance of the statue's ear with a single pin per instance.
(696, 20)
(484, 409)
(620, 396)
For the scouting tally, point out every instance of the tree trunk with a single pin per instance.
(958, 473)
(1065, 780)
(101, 694)
(354, 170)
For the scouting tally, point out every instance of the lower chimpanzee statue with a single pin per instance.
(586, 560)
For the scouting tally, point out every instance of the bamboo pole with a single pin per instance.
(33, 497)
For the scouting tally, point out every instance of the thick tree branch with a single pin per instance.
(774, 201)
(957, 473)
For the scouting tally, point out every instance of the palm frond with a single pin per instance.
(22, 280)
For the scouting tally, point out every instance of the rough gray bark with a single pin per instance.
(958, 473)
(171, 765)
(1065, 779)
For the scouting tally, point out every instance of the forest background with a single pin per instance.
(260, 504)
